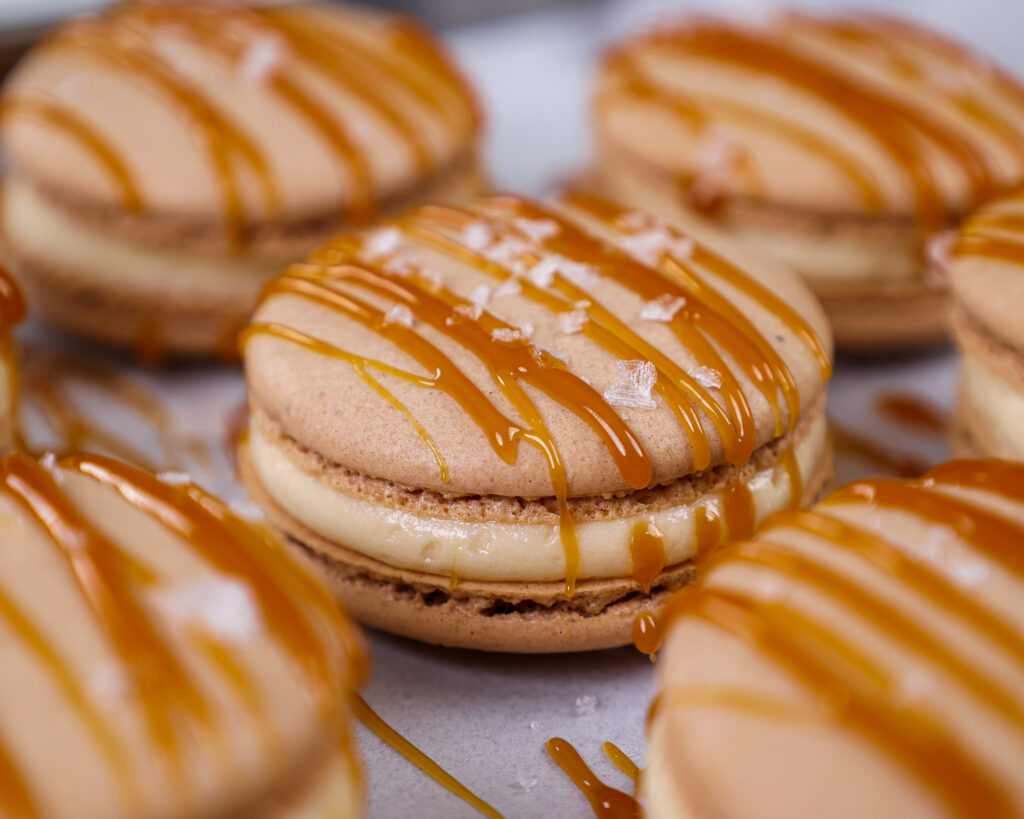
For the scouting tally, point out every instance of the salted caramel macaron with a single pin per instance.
(162, 657)
(12, 311)
(837, 145)
(986, 266)
(166, 159)
(864, 657)
(511, 426)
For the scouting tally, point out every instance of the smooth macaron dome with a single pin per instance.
(838, 145)
(12, 311)
(985, 267)
(512, 425)
(863, 657)
(166, 159)
(162, 657)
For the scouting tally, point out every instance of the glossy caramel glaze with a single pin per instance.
(410, 306)
(174, 706)
(300, 56)
(974, 508)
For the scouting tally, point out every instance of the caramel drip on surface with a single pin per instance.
(647, 633)
(896, 126)
(839, 675)
(913, 412)
(621, 760)
(790, 465)
(165, 689)
(647, 552)
(372, 720)
(240, 550)
(50, 112)
(606, 802)
(860, 446)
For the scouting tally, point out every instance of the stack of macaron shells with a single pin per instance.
(864, 657)
(162, 657)
(511, 426)
(986, 273)
(836, 144)
(167, 159)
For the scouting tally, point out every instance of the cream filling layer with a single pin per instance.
(997, 406)
(49, 235)
(503, 551)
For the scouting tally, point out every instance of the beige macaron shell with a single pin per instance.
(166, 154)
(632, 129)
(991, 290)
(325, 406)
(228, 769)
(795, 755)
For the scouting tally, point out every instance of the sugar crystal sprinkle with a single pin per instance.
(663, 308)
(399, 314)
(634, 385)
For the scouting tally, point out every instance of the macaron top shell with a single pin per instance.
(861, 658)
(857, 114)
(491, 349)
(161, 658)
(985, 265)
(212, 111)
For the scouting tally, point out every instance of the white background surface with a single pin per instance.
(486, 717)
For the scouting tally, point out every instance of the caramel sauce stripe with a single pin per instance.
(606, 802)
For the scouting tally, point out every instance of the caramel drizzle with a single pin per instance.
(433, 305)
(913, 412)
(854, 685)
(606, 802)
(172, 705)
(49, 111)
(993, 236)
(647, 553)
(621, 760)
(896, 126)
(366, 715)
(374, 78)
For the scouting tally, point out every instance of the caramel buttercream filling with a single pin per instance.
(495, 550)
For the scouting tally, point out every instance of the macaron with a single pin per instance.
(837, 145)
(864, 657)
(163, 657)
(166, 159)
(985, 266)
(510, 426)
(12, 311)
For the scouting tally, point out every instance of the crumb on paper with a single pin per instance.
(586, 705)
(526, 782)
(399, 314)
(634, 385)
(663, 308)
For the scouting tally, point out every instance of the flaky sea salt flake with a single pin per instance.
(480, 295)
(399, 314)
(633, 388)
(173, 477)
(477, 236)
(707, 377)
(261, 59)
(222, 607)
(572, 321)
(508, 288)
(537, 229)
(382, 242)
(663, 308)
